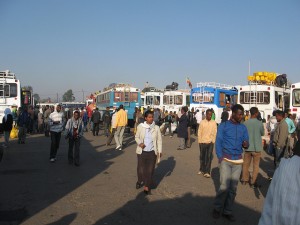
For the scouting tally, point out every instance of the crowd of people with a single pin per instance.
(237, 141)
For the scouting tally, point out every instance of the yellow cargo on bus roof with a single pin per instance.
(263, 77)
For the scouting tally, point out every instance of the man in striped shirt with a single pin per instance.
(56, 122)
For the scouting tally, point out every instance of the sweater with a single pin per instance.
(230, 137)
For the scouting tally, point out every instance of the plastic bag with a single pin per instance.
(14, 133)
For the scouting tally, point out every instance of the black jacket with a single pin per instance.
(7, 125)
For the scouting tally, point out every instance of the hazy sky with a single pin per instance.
(55, 45)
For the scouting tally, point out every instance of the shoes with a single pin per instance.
(216, 214)
(180, 148)
(255, 185)
(229, 217)
(139, 185)
(77, 164)
(207, 175)
(171, 136)
(119, 146)
(188, 146)
(120, 149)
(52, 160)
(200, 173)
(147, 191)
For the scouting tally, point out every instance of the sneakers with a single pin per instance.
(229, 217)
(200, 173)
(207, 175)
(52, 160)
(216, 214)
(117, 148)
(171, 136)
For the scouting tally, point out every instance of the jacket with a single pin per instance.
(69, 128)
(230, 137)
(281, 134)
(156, 136)
(96, 117)
(207, 131)
(182, 127)
(8, 123)
(121, 118)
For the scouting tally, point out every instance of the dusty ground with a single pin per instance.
(102, 190)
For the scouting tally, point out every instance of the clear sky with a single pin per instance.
(56, 45)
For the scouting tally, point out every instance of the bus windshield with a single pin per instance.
(205, 97)
(8, 90)
(296, 97)
(152, 100)
(173, 99)
(126, 96)
(260, 97)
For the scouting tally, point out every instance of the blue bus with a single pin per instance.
(211, 95)
(120, 94)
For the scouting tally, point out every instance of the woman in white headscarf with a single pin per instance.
(7, 122)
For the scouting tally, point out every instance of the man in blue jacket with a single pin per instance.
(232, 137)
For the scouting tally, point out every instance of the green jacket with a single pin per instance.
(255, 130)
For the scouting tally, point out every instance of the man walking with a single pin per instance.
(280, 139)
(121, 122)
(106, 118)
(206, 136)
(255, 130)
(56, 123)
(232, 137)
(96, 121)
(46, 120)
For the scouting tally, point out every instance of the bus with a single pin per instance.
(10, 92)
(264, 93)
(73, 105)
(120, 94)
(295, 100)
(212, 95)
(153, 98)
(174, 100)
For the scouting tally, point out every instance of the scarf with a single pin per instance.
(148, 126)
(6, 112)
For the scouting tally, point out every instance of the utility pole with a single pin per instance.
(82, 95)
(56, 97)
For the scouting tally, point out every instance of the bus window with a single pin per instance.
(134, 97)
(178, 100)
(296, 97)
(10, 90)
(26, 97)
(188, 100)
(259, 97)
(222, 98)
(126, 96)
(118, 97)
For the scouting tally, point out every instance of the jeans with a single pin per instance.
(248, 156)
(106, 129)
(74, 155)
(55, 139)
(119, 135)
(167, 126)
(6, 137)
(206, 157)
(22, 134)
(278, 154)
(229, 178)
(188, 140)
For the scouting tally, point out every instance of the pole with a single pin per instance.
(56, 97)
(82, 95)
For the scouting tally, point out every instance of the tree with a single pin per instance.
(68, 96)
(36, 97)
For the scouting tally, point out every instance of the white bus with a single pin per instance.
(10, 92)
(174, 100)
(266, 98)
(153, 99)
(295, 100)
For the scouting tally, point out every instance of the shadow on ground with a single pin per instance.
(30, 183)
(189, 210)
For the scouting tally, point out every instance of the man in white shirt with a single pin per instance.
(56, 123)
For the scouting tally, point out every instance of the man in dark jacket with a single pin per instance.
(96, 116)
(182, 129)
(106, 118)
(23, 121)
(232, 137)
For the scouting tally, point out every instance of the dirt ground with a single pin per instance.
(102, 190)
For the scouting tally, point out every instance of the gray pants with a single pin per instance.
(6, 137)
(119, 135)
(182, 143)
(229, 178)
